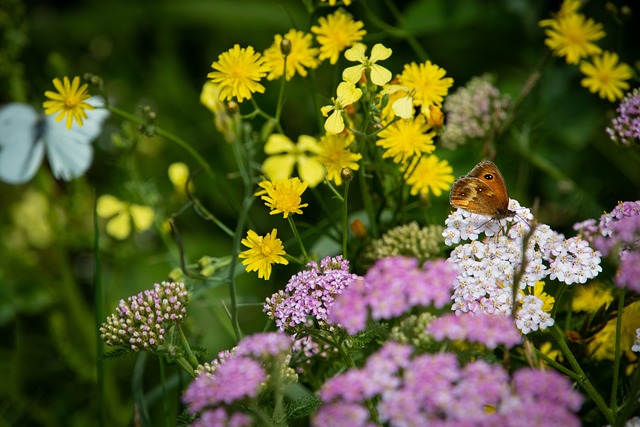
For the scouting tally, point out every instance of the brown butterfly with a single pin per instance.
(482, 191)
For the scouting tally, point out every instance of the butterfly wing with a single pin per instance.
(69, 151)
(475, 196)
(21, 147)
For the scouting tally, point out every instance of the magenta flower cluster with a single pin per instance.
(391, 287)
(310, 293)
(617, 234)
(435, 390)
(625, 127)
(484, 329)
(140, 322)
(234, 377)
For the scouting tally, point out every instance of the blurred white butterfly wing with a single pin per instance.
(69, 151)
(21, 147)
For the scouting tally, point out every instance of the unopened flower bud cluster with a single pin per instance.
(408, 240)
(141, 321)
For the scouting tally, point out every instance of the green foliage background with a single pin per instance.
(158, 53)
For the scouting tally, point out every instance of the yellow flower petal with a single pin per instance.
(311, 171)
(142, 216)
(334, 123)
(278, 143)
(119, 226)
(279, 167)
(108, 206)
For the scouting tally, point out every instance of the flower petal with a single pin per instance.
(279, 167)
(278, 143)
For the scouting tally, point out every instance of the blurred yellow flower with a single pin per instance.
(283, 196)
(262, 253)
(300, 57)
(571, 36)
(568, 7)
(406, 138)
(379, 75)
(179, 176)
(605, 76)
(348, 93)
(429, 174)
(31, 216)
(238, 72)
(334, 2)
(428, 82)
(602, 346)
(285, 154)
(225, 123)
(120, 215)
(591, 297)
(337, 32)
(68, 101)
(335, 155)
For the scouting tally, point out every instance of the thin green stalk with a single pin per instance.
(191, 358)
(297, 236)
(280, 103)
(165, 394)
(368, 203)
(616, 361)
(98, 303)
(583, 380)
(345, 219)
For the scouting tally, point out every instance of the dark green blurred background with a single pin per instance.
(158, 53)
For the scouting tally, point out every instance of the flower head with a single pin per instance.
(378, 74)
(301, 56)
(120, 215)
(262, 253)
(572, 36)
(334, 154)
(337, 32)
(605, 76)
(409, 240)
(591, 297)
(141, 321)
(428, 82)
(429, 174)
(406, 138)
(68, 101)
(238, 72)
(283, 196)
(625, 127)
(489, 331)
(225, 123)
(285, 154)
(348, 93)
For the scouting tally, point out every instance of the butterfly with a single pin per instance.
(482, 191)
(25, 136)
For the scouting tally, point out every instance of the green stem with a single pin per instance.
(165, 395)
(297, 236)
(367, 201)
(345, 219)
(191, 358)
(98, 304)
(583, 380)
(280, 103)
(616, 361)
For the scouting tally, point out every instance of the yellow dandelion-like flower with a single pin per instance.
(568, 7)
(348, 93)
(262, 253)
(406, 138)
(605, 76)
(238, 72)
(335, 155)
(121, 214)
(379, 75)
(591, 297)
(430, 174)
(603, 345)
(547, 300)
(572, 37)
(335, 33)
(428, 82)
(283, 196)
(284, 154)
(68, 101)
(300, 57)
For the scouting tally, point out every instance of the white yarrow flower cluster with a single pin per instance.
(487, 267)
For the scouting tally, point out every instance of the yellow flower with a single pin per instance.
(283, 196)
(430, 174)
(238, 72)
(280, 166)
(406, 138)
(210, 98)
(32, 217)
(301, 56)
(335, 33)
(603, 344)
(552, 353)
(591, 297)
(572, 37)
(179, 176)
(606, 76)
(379, 75)
(263, 251)
(121, 214)
(400, 103)
(335, 155)
(547, 300)
(348, 93)
(568, 7)
(68, 101)
(428, 82)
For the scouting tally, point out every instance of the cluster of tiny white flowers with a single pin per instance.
(487, 267)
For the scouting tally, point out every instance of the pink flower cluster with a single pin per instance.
(391, 287)
(435, 390)
(484, 329)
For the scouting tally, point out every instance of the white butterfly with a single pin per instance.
(25, 135)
